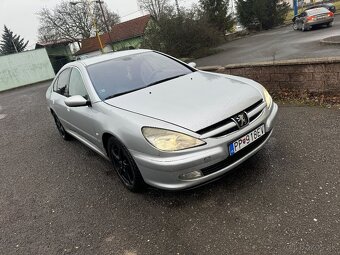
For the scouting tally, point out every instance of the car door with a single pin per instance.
(81, 119)
(59, 95)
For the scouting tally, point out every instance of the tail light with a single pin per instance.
(311, 18)
(330, 14)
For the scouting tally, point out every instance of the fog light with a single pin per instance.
(191, 175)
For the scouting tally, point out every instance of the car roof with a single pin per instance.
(320, 5)
(111, 55)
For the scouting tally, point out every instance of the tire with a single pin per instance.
(305, 28)
(124, 165)
(66, 136)
(329, 24)
(295, 26)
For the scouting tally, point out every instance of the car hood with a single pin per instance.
(194, 101)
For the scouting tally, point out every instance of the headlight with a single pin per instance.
(267, 97)
(166, 140)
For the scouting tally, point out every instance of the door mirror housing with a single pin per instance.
(192, 64)
(76, 101)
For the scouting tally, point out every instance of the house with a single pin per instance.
(60, 52)
(125, 35)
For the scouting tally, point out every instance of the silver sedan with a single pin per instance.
(158, 120)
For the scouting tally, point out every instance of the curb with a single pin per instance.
(333, 40)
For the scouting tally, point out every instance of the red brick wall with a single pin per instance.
(320, 77)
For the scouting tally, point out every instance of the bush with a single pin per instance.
(216, 12)
(261, 14)
(180, 35)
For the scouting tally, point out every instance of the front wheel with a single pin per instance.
(329, 24)
(295, 26)
(124, 165)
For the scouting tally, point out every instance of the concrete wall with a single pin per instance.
(299, 78)
(24, 68)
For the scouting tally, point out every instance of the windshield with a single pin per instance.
(126, 74)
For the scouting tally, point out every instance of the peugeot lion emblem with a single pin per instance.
(241, 119)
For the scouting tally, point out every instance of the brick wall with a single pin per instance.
(301, 78)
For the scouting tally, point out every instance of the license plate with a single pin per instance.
(245, 140)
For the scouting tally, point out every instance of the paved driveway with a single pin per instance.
(276, 44)
(57, 198)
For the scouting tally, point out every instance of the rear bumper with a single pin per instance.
(212, 160)
(320, 22)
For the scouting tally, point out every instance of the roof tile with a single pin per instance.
(120, 32)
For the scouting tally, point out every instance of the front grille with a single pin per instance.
(214, 126)
(254, 117)
(228, 126)
(232, 159)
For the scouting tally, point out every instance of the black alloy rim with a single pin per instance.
(122, 164)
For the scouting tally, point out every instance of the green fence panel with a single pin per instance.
(24, 68)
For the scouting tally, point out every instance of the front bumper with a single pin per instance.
(164, 172)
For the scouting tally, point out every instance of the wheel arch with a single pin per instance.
(105, 138)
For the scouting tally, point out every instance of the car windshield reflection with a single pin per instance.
(124, 75)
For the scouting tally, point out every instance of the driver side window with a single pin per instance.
(77, 86)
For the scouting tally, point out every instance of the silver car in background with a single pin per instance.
(160, 121)
(313, 17)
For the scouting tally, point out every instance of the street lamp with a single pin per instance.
(94, 21)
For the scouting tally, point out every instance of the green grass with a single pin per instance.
(290, 14)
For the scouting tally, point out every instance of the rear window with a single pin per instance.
(317, 11)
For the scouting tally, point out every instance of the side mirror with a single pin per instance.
(76, 101)
(192, 64)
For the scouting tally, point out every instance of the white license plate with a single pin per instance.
(245, 140)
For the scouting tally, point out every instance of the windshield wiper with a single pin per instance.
(164, 80)
(151, 84)
(122, 93)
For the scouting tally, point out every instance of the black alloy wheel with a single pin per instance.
(124, 165)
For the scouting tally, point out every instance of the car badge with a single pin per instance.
(241, 119)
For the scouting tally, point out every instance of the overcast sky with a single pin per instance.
(20, 15)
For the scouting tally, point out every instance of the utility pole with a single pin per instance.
(94, 20)
(295, 5)
(105, 21)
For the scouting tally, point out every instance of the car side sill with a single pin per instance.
(87, 143)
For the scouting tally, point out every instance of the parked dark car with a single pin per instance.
(328, 6)
(312, 18)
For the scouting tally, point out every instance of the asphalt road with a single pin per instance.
(58, 198)
(276, 44)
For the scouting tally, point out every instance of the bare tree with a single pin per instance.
(73, 22)
(155, 7)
